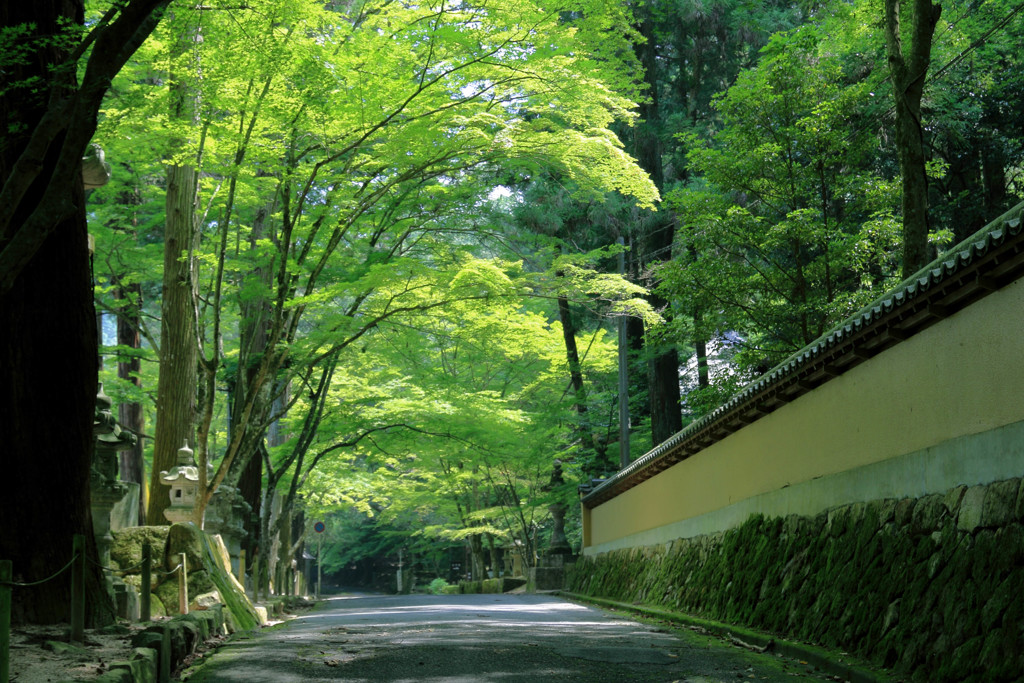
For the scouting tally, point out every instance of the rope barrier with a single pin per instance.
(26, 584)
(125, 570)
(167, 573)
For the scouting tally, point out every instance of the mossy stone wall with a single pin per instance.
(931, 587)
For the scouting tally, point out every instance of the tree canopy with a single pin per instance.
(361, 255)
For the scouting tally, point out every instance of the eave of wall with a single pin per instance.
(988, 260)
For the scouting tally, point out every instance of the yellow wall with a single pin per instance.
(962, 376)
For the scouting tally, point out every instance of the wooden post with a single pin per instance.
(78, 590)
(6, 574)
(183, 586)
(256, 577)
(164, 675)
(147, 580)
(241, 567)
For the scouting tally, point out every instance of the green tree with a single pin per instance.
(789, 230)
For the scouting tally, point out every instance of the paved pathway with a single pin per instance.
(481, 638)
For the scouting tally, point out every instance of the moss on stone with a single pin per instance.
(832, 579)
(183, 539)
(126, 548)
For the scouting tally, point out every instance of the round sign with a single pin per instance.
(319, 527)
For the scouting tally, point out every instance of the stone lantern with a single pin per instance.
(112, 501)
(106, 491)
(183, 479)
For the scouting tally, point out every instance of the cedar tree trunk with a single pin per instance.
(48, 341)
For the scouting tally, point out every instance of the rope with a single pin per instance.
(114, 569)
(27, 584)
(158, 571)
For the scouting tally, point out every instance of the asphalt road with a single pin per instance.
(478, 638)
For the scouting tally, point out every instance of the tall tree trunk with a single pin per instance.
(131, 415)
(476, 547)
(601, 462)
(908, 67)
(993, 173)
(48, 346)
(663, 363)
(176, 387)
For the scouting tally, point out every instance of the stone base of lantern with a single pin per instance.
(179, 514)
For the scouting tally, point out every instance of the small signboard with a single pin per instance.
(319, 527)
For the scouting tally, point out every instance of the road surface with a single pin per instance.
(482, 638)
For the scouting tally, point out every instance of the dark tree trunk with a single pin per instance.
(572, 355)
(247, 470)
(47, 394)
(908, 66)
(663, 363)
(993, 171)
(703, 376)
(48, 351)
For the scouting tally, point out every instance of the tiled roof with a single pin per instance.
(989, 259)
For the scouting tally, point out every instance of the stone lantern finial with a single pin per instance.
(185, 455)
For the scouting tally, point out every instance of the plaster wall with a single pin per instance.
(939, 409)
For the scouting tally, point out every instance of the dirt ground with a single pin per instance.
(42, 654)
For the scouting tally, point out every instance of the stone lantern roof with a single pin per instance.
(185, 469)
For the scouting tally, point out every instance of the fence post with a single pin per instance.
(164, 675)
(78, 590)
(256, 577)
(183, 587)
(6, 574)
(147, 580)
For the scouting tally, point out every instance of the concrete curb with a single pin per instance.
(820, 658)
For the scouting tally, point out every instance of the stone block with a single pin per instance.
(150, 662)
(149, 639)
(167, 594)
(204, 601)
(67, 649)
(126, 600)
(1000, 503)
(116, 674)
(969, 517)
(928, 513)
(206, 622)
(156, 606)
(952, 500)
(904, 512)
(139, 670)
(184, 539)
(547, 578)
